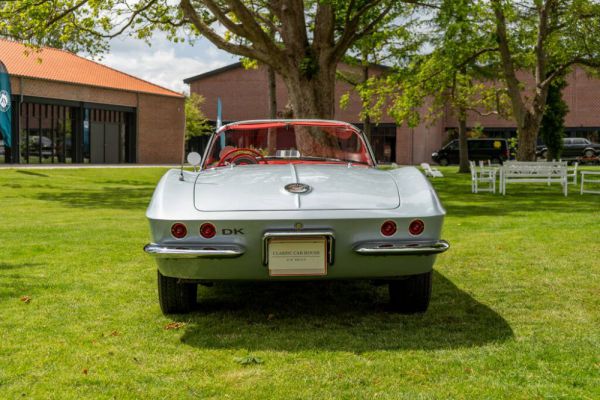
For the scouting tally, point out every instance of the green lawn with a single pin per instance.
(515, 310)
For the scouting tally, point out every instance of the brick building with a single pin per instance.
(67, 109)
(244, 96)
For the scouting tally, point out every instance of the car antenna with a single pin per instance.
(182, 161)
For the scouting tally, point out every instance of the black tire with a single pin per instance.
(443, 161)
(496, 161)
(589, 153)
(544, 155)
(175, 297)
(411, 295)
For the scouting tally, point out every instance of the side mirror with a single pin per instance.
(194, 158)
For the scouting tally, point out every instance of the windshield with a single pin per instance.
(287, 142)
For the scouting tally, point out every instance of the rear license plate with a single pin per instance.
(297, 256)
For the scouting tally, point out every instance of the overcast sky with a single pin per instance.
(165, 63)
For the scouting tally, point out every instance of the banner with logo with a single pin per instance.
(5, 103)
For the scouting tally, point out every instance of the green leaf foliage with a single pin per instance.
(553, 122)
(196, 123)
(302, 41)
(450, 70)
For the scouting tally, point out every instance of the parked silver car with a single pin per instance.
(294, 200)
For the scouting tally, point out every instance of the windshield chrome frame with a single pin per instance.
(360, 133)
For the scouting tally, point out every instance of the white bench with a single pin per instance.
(433, 172)
(572, 173)
(585, 178)
(482, 174)
(533, 172)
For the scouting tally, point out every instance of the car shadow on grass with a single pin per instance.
(336, 316)
(14, 285)
(32, 173)
(116, 197)
(8, 266)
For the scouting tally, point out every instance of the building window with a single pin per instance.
(45, 135)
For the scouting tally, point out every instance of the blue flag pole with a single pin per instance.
(5, 107)
(220, 120)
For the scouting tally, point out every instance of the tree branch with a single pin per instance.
(324, 27)
(216, 39)
(66, 12)
(561, 68)
(256, 34)
(540, 54)
(220, 15)
(508, 66)
(349, 34)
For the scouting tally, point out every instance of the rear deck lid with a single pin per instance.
(262, 188)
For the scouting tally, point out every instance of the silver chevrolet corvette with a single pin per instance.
(293, 200)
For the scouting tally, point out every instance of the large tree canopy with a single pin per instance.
(544, 38)
(310, 39)
(454, 71)
(75, 25)
(528, 44)
(302, 40)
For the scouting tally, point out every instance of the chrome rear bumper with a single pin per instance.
(399, 247)
(182, 251)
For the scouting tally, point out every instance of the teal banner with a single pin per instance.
(5, 104)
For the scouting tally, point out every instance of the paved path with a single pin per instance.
(77, 166)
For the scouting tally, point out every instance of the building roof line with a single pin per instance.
(22, 67)
(229, 67)
(89, 85)
(212, 72)
(174, 93)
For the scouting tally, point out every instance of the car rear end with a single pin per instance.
(390, 239)
(294, 200)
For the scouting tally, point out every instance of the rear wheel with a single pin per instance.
(589, 153)
(443, 161)
(176, 297)
(411, 295)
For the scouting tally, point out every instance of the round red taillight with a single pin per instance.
(178, 230)
(416, 227)
(388, 228)
(207, 230)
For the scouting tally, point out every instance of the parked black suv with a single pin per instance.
(573, 148)
(495, 150)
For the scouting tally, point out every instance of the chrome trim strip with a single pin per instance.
(194, 251)
(402, 247)
(305, 233)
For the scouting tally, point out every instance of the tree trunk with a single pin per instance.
(367, 126)
(527, 138)
(313, 97)
(272, 92)
(463, 144)
(272, 134)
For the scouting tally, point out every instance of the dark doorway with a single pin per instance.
(108, 136)
(104, 143)
(383, 142)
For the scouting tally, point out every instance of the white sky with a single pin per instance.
(165, 63)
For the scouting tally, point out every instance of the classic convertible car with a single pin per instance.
(294, 200)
